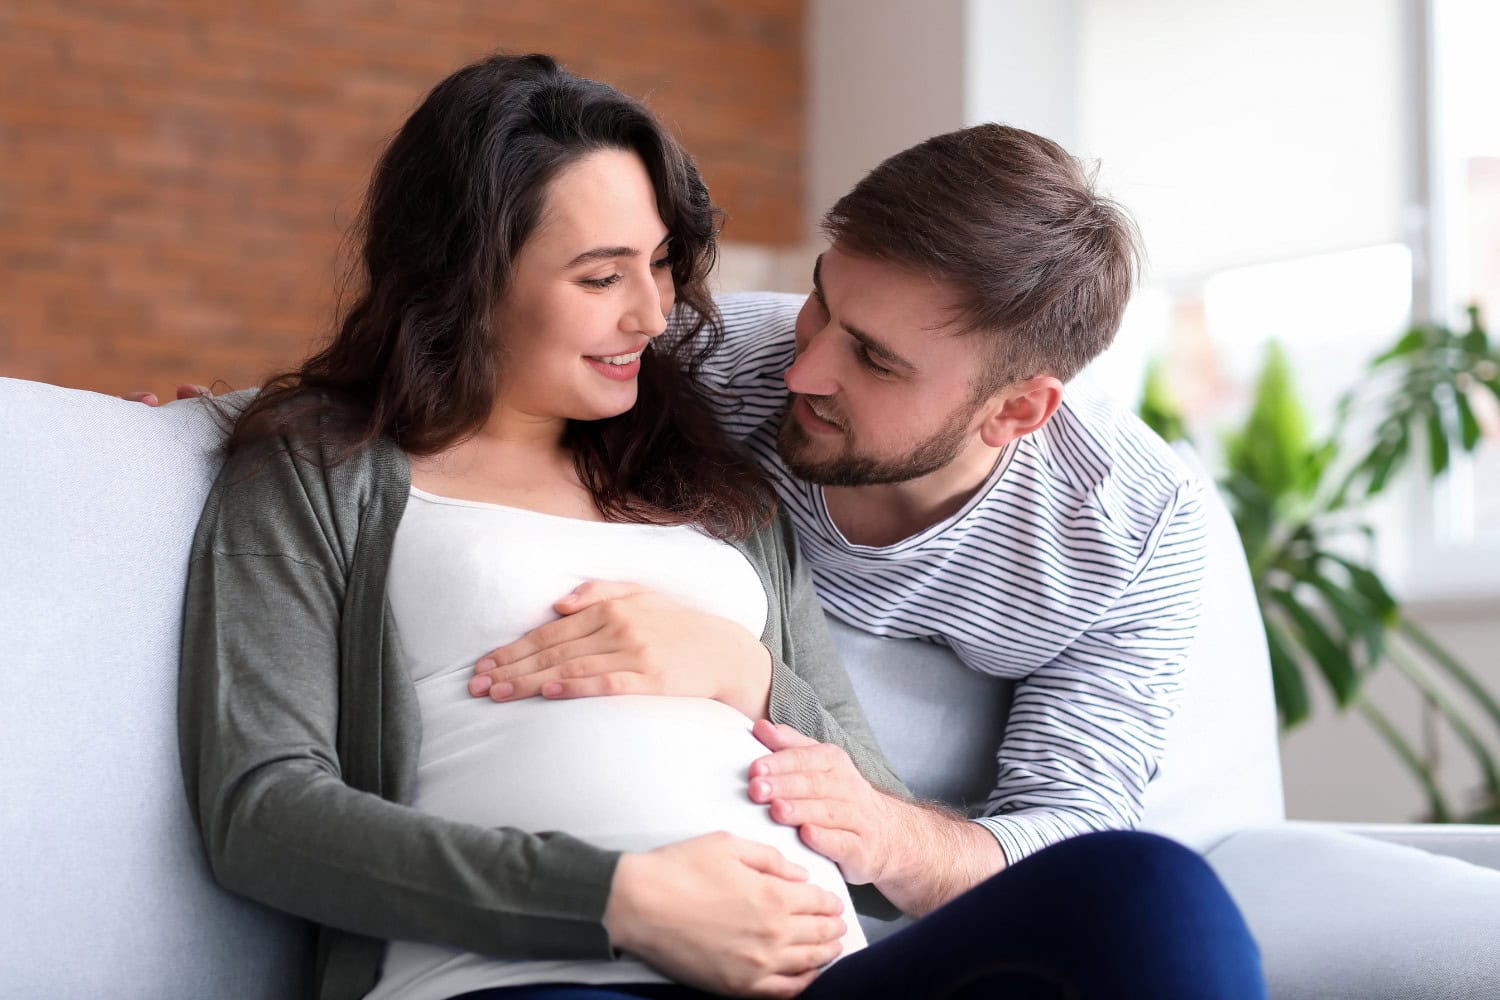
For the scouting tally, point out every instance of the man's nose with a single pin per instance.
(813, 373)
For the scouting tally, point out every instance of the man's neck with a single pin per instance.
(884, 515)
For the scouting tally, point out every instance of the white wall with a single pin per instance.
(1022, 66)
(1246, 130)
(882, 75)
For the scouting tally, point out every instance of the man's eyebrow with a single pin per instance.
(611, 253)
(882, 353)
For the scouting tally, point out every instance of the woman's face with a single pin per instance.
(590, 289)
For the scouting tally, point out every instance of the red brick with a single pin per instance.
(176, 176)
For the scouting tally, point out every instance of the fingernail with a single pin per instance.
(503, 690)
(762, 789)
(551, 689)
(479, 685)
(485, 664)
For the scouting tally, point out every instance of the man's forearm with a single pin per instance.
(936, 855)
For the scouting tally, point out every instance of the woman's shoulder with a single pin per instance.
(297, 458)
(773, 544)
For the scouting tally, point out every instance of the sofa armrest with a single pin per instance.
(1476, 844)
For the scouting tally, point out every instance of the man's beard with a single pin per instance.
(849, 468)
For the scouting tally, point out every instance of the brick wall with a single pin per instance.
(176, 176)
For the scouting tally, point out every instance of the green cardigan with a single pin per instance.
(300, 728)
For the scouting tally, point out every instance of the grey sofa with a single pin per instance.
(106, 892)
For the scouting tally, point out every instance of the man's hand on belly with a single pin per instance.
(724, 914)
(621, 638)
(918, 855)
(816, 788)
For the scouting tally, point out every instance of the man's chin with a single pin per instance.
(797, 451)
(799, 455)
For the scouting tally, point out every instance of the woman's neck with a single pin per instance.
(534, 472)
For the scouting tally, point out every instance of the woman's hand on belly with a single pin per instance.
(724, 914)
(621, 638)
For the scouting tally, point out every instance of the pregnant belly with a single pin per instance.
(627, 773)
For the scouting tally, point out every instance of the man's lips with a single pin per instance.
(810, 420)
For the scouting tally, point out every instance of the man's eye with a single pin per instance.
(863, 354)
(600, 282)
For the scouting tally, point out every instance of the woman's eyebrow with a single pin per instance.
(610, 253)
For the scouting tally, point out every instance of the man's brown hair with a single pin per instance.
(1042, 263)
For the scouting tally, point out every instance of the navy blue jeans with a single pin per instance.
(1107, 915)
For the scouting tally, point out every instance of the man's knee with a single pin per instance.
(1120, 874)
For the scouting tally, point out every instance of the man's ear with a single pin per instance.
(1020, 408)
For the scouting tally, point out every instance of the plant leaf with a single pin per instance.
(1292, 701)
(1334, 660)
(1387, 458)
(1469, 431)
(1354, 614)
(1159, 408)
(1410, 341)
(1437, 444)
(1271, 450)
(1475, 341)
(1370, 587)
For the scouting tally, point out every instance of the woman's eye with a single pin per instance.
(662, 263)
(600, 282)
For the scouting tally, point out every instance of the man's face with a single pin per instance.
(882, 388)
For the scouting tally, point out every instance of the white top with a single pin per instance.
(625, 773)
(1074, 571)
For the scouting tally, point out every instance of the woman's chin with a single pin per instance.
(604, 409)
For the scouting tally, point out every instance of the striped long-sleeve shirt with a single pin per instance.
(1073, 571)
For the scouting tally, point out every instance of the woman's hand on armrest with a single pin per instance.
(724, 914)
(621, 638)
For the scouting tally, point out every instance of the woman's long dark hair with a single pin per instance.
(415, 358)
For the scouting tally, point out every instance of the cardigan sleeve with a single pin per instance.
(809, 685)
(810, 690)
(259, 717)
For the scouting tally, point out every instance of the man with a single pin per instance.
(944, 488)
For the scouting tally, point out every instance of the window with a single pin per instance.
(1458, 541)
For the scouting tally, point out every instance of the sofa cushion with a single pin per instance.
(106, 886)
(1344, 917)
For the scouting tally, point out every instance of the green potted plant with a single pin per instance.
(1300, 504)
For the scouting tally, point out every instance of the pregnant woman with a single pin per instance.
(500, 417)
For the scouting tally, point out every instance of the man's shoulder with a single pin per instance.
(758, 316)
(1098, 460)
(757, 303)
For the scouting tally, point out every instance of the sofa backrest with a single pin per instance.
(106, 888)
